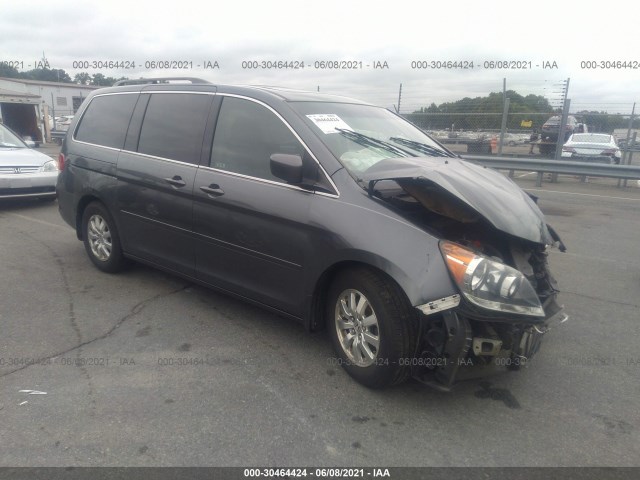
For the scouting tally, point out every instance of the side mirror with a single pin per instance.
(287, 167)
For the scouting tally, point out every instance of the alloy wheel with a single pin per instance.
(99, 236)
(357, 327)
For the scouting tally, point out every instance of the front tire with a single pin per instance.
(372, 326)
(101, 239)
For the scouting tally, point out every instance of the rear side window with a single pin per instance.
(106, 120)
(173, 126)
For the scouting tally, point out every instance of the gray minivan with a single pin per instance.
(325, 209)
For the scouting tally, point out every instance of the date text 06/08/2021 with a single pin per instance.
(316, 472)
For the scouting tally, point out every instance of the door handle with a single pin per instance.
(175, 181)
(214, 190)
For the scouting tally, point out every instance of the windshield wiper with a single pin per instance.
(422, 147)
(373, 142)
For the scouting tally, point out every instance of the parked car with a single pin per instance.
(635, 147)
(621, 138)
(513, 139)
(24, 172)
(592, 146)
(328, 210)
(551, 128)
(63, 122)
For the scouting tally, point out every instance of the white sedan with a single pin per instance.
(592, 146)
(23, 171)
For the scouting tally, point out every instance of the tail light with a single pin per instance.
(61, 161)
(569, 149)
(610, 151)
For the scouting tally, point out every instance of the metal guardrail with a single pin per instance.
(569, 167)
(58, 135)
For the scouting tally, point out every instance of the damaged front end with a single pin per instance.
(494, 242)
(496, 323)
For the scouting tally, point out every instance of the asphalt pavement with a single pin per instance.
(146, 369)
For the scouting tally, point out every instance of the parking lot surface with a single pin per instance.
(144, 368)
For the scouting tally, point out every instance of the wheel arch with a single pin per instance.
(82, 205)
(316, 320)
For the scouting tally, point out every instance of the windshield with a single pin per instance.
(362, 135)
(9, 140)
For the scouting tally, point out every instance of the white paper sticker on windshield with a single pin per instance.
(328, 122)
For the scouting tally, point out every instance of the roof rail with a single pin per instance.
(146, 81)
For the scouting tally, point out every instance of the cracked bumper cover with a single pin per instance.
(458, 360)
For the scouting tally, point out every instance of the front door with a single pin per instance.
(251, 229)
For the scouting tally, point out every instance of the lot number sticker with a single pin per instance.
(328, 122)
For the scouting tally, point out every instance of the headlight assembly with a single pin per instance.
(490, 284)
(51, 166)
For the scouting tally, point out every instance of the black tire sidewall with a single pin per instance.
(389, 366)
(116, 261)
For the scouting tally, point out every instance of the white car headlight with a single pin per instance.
(490, 284)
(51, 166)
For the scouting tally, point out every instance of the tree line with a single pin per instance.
(525, 113)
(476, 113)
(58, 75)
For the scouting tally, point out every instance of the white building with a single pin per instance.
(22, 102)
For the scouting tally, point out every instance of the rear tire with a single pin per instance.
(101, 239)
(373, 327)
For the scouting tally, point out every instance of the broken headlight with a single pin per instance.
(490, 284)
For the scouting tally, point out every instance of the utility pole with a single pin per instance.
(503, 127)
(46, 125)
(631, 118)
(505, 112)
(53, 111)
(563, 121)
(399, 99)
(566, 104)
(626, 155)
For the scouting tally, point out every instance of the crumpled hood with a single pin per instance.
(492, 195)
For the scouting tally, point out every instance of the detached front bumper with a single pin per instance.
(454, 346)
(21, 185)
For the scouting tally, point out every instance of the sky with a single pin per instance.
(398, 36)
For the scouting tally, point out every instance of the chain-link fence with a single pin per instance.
(520, 133)
(59, 119)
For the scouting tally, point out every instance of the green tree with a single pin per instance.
(433, 108)
(601, 121)
(102, 81)
(44, 74)
(48, 75)
(83, 78)
(465, 113)
(8, 71)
